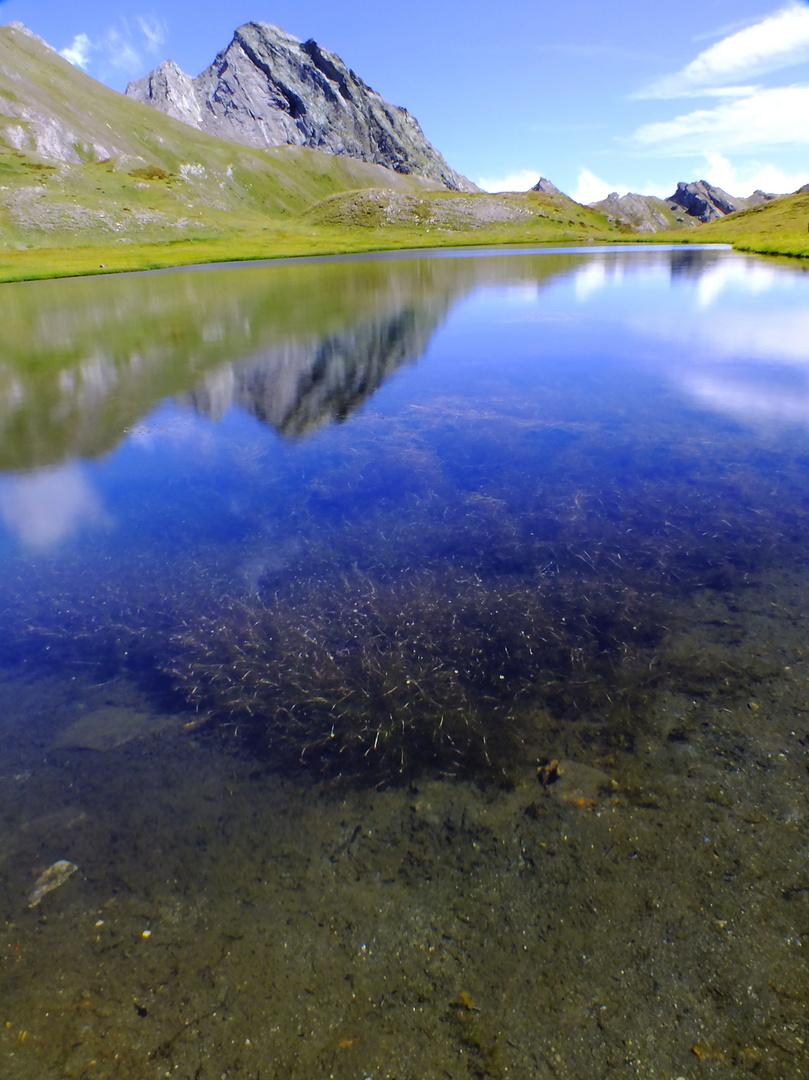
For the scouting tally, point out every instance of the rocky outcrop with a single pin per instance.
(268, 89)
(704, 201)
(171, 91)
(546, 187)
(641, 213)
(758, 197)
(690, 204)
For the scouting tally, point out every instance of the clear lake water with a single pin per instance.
(404, 669)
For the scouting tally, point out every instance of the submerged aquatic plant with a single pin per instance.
(450, 623)
(391, 674)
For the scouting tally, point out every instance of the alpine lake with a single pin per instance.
(404, 669)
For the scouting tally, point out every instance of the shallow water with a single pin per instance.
(410, 654)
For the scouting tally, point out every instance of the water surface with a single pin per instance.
(410, 655)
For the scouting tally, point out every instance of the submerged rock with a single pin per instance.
(51, 879)
(110, 727)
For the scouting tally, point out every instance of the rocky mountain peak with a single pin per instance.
(704, 201)
(172, 91)
(267, 88)
(642, 213)
(546, 187)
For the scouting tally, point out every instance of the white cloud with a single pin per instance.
(516, 181)
(765, 118)
(591, 188)
(121, 53)
(778, 41)
(743, 181)
(78, 51)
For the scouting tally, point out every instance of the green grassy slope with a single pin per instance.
(91, 181)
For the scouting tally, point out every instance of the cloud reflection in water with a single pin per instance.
(46, 508)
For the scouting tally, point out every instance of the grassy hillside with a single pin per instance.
(91, 181)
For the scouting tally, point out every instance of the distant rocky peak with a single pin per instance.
(642, 213)
(704, 201)
(546, 187)
(267, 88)
(171, 91)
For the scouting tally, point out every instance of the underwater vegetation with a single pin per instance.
(428, 596)
(384, 676)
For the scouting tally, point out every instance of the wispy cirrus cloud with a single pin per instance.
(746, 112)
(765, 118)
(154, 30)
(780, 40)
(120, 49)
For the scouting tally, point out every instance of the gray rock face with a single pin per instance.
(690, 204)
(706, 202)
(269, 89)
(171, 91)
(642, 213)
(546, 187)
(760, 196)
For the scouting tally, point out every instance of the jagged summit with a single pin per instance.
(642, 213)
(691, 204)
(267, 88)
(709, 203)
(546, 187)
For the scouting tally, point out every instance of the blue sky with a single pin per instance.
(596, 97)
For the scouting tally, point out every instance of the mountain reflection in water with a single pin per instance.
(85, 360)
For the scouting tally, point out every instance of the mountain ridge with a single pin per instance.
(269, 89)
(698, 201)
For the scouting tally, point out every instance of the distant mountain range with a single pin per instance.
(691, 204)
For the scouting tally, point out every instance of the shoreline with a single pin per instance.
(48, 264)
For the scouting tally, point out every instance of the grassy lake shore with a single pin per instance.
(74, 260)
